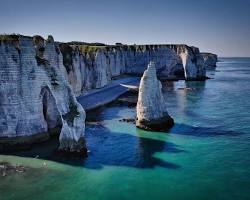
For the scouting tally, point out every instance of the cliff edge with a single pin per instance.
(35, 99)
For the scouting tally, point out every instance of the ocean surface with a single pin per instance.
(206, 155)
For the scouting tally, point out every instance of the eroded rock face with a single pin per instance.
(96, 66)
(40, 78)
(151, 108)
(85, 71)
(192, 62)
(35, 99)
(210, 60)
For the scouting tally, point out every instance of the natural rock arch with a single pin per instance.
(178, 71)
(51, 113)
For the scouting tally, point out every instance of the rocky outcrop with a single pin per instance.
(151, 109)
(210, 60)
(84, 70)
(35, 99)
(192, 62)
(40, 78)
(88, 67)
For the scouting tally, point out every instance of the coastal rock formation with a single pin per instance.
(40, 78)
(210, 60)
(88, 67)
(190, 61)
(35, 99)
(84, 70)
(151, 107)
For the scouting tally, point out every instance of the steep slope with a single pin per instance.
(35, 98)
(89, 67)
(151, 109)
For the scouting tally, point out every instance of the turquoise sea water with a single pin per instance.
(204, 156)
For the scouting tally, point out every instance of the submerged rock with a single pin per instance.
(35, 99)
(151, 108)
(7, 169)
(128, 120)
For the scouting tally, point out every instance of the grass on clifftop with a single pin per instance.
(13, 37)
(7, 38)
(87, 48)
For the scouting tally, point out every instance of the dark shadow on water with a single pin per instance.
(184, 129)
(110, 149)
(104, 113)
(122, 149)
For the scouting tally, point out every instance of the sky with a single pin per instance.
(217, 26)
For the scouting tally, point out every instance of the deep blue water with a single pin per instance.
(204, 156)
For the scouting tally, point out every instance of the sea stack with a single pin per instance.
(151, 108)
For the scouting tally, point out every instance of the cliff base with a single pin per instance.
(161, 124)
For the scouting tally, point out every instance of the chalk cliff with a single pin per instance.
(88, 67)
(35, 99)
(151, 109)
(210, 60)
(40, 78)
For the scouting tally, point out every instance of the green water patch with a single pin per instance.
(204, 156)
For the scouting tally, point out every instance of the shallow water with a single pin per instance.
(204, 156)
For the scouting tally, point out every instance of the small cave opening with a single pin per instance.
(51, 113)
(178, 71)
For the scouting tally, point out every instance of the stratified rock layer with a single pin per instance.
(35, 99)
(40, 78)
(88, 67)
(151, 107)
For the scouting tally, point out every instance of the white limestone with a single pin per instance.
(40, 78)
(151, 109)
(189, 67)
(35, 98)
(95, 69)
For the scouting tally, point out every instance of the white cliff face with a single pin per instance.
(102, 72)
(192, 62)
(189, 67)
(151, 107)
(85, 71)
(164, 58)
(199, 62)
(116, 61)
(35, 98)
(95, 69)
(76, 75)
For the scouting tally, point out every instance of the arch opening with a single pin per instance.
(51, 113)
